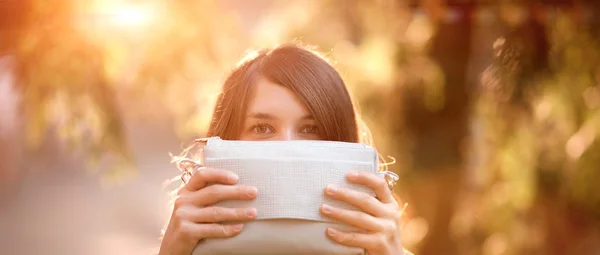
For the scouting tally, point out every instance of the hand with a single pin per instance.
(380, 216)
(193, 219)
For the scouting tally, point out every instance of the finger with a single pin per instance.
(216, 193)
(375, 182)
(200, 231)
(354, 218)
(359, 199)
(205, 176)
(216, 214)
(353, 239)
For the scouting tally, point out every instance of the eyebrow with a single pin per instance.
(266, 116)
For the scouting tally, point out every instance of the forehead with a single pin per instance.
(275, 99)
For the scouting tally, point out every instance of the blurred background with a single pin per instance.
(490, 108)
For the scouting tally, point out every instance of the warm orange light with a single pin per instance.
(130, 16)
(123, 15)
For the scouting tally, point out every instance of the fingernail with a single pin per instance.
(326, 209)
(251, 191)
(231, 177)
(353, 174)
(332, 189)
(237, 227)
(331, 232)
(250, 212)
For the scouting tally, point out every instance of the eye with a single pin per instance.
(261, 129)
(310, 129)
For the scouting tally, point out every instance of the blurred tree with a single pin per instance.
(539, 106)
(78, 65)
(59, 75)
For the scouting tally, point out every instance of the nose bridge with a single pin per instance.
(289, 134)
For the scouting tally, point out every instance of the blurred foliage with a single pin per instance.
(64, 85)
(79, 65)
(531, 127)
(541, 121)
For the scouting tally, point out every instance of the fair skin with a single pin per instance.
(276, 113)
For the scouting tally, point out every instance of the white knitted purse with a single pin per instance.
(290, 177)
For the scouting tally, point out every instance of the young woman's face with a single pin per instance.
(276, 113)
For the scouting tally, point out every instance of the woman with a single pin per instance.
(284, 93)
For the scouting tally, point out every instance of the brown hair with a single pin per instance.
(309, 75)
